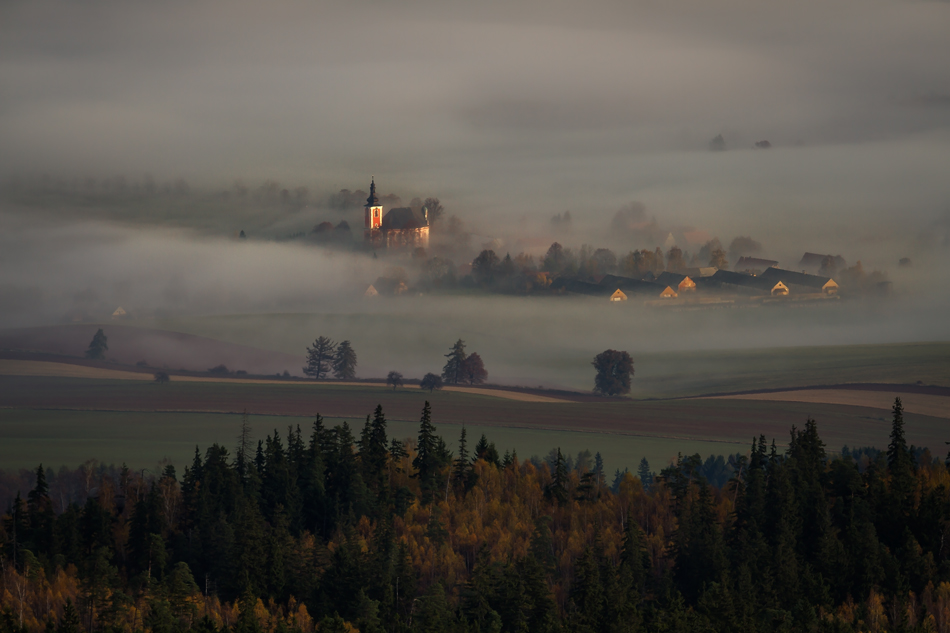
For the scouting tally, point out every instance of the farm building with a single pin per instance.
(618, 296)
(779, 290)
(119, 313)
(668, 293)
(371, 291)
(398, 228)
(630, 285)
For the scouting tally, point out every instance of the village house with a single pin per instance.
(399, 228)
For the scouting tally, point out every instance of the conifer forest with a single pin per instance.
(337, 529)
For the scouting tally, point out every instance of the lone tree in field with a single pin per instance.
(614, 371)
(319, 357)
(452, 372)
(98, 346)
(473, 370)
(161, 377)
(395, 379)
(431, 382)
(344, 362)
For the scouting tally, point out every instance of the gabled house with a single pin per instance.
(618, 295)
(810, 283)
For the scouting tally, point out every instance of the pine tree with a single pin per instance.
(452, 373)
(557, 489)
(463, 475)
(41, 516)
(98, 346)
(643, 472)
(427, 458)
(319, 358)
(900, 466)
(344, 362)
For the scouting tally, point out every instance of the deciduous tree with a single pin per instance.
(614, 371)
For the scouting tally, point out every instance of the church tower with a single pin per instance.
(373, 210)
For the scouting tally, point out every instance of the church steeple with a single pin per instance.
(372, 201)
(373, 210)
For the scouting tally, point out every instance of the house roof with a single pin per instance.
(403, 218)
(792, 277)
(754, 262)
(670, 279)
(745, 280)
(629, 284)
(814, 260)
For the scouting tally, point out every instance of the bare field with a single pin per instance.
(924, 404)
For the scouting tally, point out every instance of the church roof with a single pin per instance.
(373, 200)
(403, 218)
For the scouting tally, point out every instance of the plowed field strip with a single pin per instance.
(43, 368)
(924, 404)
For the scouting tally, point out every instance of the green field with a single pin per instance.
(144, 439)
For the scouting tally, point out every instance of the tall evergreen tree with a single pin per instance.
(428, 458)
(453, 371)
(344, 361)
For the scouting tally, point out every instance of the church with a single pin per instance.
(398, 228)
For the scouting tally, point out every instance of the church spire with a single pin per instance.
(372, 201)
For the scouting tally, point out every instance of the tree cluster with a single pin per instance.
(462, 368)
(325, 356)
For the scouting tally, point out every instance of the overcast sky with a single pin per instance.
(448, 92)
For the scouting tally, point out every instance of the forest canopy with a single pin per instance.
(333, 530)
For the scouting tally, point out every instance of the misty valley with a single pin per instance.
(496, 317)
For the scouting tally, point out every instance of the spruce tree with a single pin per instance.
(454, 367)
(427, 458)
(98, 346)
(344, 362)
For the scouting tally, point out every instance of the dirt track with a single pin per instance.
(924, 404)
(66, 370)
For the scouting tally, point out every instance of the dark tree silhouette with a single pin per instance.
(614, 371)
(473, 370)
(452, 372)
(161, 377)
(395, 379)
(319, 357)
(98, 346)
(344, 362)
(431, 382)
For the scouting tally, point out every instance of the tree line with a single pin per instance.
(336, 530)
